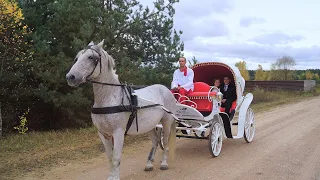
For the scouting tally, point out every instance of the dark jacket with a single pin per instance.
(230, 93)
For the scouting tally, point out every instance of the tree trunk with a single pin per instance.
(0, 122)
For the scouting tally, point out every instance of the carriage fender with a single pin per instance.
(242, 114)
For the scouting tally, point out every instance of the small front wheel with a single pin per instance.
(215, 138)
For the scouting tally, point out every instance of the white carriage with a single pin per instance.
(203, 117)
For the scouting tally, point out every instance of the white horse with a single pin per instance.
(96, 65)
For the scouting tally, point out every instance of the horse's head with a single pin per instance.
(87, 64)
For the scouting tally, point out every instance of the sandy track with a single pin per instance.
(286, 146)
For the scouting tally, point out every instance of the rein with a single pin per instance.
(132, 107)
(127, 91)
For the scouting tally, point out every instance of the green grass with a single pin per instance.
(264, 100)
(36, 150)
(41, 150)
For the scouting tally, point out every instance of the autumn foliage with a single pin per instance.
(242, 66)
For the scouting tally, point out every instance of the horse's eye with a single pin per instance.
(75, 60)
(90, 57)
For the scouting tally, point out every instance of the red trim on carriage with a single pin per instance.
(233, 107)
(200, 96)
(207, 72)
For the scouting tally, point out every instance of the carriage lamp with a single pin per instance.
(219, 95)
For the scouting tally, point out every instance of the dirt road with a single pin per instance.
(286, 146)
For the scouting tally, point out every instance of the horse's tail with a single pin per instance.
(172, 141)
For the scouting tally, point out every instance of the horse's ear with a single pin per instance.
(101, 43)
(91, 43)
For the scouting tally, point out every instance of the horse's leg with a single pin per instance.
(154, 138)
(118, 136)
(108, 146)
(166, 132)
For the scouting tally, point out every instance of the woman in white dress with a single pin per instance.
(217, 85)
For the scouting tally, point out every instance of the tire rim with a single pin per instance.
(250, 125)
(216, 139)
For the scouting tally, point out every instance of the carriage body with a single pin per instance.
(202, 116)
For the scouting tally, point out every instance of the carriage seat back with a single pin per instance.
(200, 96)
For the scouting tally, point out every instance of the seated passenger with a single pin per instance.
(216, 84)
(182, 82)
(229, 94)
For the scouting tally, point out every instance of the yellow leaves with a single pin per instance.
(309, 75)
(260, 74)
(10, 8)
(316, 76)
(242, 66)
(22, 128)
(11, 26)
(10, 15)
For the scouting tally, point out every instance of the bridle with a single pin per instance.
(126, 90)
(96, 61)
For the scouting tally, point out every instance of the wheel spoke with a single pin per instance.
(215, 138)
(215, 147)
(249, 126)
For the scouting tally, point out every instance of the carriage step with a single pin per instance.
(181, 128)
(191, 137)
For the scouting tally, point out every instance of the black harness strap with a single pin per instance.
(128, 90)
(118, 109)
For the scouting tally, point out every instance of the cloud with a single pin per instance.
(277, 38)
(248, 21)
(196, 20)
(253, 53)
(191, 8)
(211, 33)
(205, 27)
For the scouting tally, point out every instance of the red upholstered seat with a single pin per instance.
(200, 96)
(233, 107)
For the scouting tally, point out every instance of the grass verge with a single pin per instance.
(34, 151)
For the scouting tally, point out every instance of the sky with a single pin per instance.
(258, 32)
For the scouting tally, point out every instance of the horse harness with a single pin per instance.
(126, 89)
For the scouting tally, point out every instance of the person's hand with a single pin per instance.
(223, 100)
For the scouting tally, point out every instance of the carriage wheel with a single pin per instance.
(249, 127)
(215, 138)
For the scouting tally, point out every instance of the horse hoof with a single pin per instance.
(164, 167)
(148, 168)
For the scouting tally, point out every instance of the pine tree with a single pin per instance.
(143, 43)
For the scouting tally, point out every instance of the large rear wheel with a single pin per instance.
(215, 138)
(249, 126)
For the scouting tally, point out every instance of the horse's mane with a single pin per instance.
(110, 61)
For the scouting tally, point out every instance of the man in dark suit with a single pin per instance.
(229, 94)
